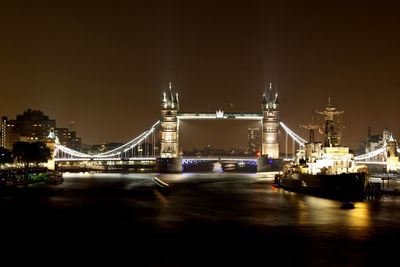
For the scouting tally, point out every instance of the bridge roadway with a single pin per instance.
(187, 159)
(148, 164)
(193, 158)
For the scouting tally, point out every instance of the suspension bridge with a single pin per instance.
(159, 145)
(144, 147)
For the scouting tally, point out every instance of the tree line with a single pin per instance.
(26, 153)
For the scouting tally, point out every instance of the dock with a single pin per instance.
(384, 184)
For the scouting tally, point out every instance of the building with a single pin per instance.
(374, 142)
(68, 138)
(6, 134)
(32, 126)
(253, 141)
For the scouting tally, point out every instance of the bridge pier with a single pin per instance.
(265, 164)
(169, 165)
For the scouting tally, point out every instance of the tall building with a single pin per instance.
(253, 141)
(9, 135)
(270, 131)
(169, 125)
(3, 131)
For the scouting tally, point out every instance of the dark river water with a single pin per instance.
(204, 219)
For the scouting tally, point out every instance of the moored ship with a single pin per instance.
(325, 169)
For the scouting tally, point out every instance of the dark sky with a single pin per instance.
(105, 64)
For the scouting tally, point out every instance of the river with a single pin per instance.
(202, 219)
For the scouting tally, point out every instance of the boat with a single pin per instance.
(229, 166)
(18, 177)
(240, 166)
(162, 186)
(159, 182)
(325, 169)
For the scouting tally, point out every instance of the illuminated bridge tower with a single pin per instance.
(269, 160)
(392, 159)
(169, 160)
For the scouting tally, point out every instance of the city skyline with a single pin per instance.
(105, 66)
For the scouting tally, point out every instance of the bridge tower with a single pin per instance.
(269, 160)
(392, 159)
(270, 125)
(169, 160)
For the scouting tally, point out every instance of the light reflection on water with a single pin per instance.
(246, 198)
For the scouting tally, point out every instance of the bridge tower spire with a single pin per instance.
(169, 160)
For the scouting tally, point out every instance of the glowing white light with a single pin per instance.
(109, 155)
(219, 114)
(371, 154)
(372, 162)
(295, 137)
(106, 159)
(218, 159)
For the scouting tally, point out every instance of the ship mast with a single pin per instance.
(331, 136)
(311, 127)
(311, 149)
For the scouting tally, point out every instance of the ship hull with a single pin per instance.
(344, 187)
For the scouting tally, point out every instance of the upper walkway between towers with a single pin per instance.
(220, 115)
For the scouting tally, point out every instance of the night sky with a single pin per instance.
(105, 64)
